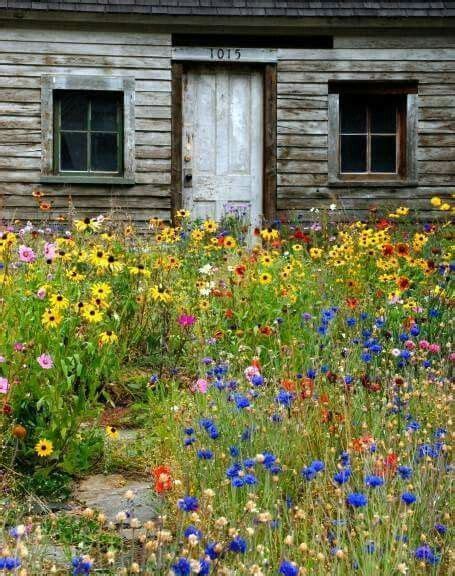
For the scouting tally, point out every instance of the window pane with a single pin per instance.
(353, 153)
(73, 151)
(104, 152)
(73, 111)
(353, 113)
(383, 154)
(383, 115)
(104, 112)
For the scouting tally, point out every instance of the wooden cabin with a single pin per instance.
(270, 107)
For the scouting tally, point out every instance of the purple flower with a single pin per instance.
(188, 504)
(186, 320)
(45, 361)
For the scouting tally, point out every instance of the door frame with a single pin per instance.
(269, 171)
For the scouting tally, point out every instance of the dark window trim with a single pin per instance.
(125, 85)
(58, 131)
(407, 134)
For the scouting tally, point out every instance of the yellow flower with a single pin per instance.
(87, 224)
(210, 226)
(315, 253)
(155, 222)
(436, 201)
(265, 278)
(107, 337)
(444, 207)
(197, 235)
(101, 290)
(98, 257)
(204, 304)
(112, 432)
(92, 314)
(139, 270)
(160, 294)
(182, 214)
(297, 247)
(266, 260)
(44, 448)
(51, 318)
(74, 275)
(229, 242)
(402, 211)
(58, 301)
(269, 234)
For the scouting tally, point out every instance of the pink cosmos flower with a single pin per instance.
(41, 294)
(45, 361)
(49, 251)
(19, 347)
(409, 345)
(452, 357)
(186, 320)
(3, 385)
(434, 348)
(26, 254)
(2, 359)
(201, 385)
(250, 372)
(424, 344)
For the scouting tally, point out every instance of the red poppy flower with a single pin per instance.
(229, 313)
(163, 478)
(299, 235)
(383, 224)
(352, 302)
(288, 384)
(240, 270)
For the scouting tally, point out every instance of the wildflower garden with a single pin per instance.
(291, 388)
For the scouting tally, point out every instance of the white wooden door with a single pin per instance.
(222, 142)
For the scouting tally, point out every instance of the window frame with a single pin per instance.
(406, 168)
(50, 162)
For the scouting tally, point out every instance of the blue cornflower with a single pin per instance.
(311, 374)
(440, 529)
(308, 473)
(366, 357)
(241, 401)
(182, 567)
(11, 563)
(188, 504)
(342, 476)
(317, 465)
(405, 472)
(408, 498)
(288, 569)
(249, 463)
(405, 354)
(345, 458)
(348, 379)
(277, 418)
(204, 567)
(210, 550)
(188, 441)
(284, 398)
(370, 547)
(374, 481)
(206, 423)
(81, 566)
(233, 470)
(356, 500)
(413, 426)
(238, 545)
(351, 322)
(440, 432)
(250, 479)
(234, 451)
(426, 554)
(205, 454)
(238, 482)
(213, 432)
(257, 380)
(414, 330)
(192, 531)
(189, 431)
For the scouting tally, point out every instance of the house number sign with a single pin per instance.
(223, 54)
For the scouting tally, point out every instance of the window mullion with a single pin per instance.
(89, 139)
(368, 139)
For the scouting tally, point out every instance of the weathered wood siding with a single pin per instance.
(26, 55)
(303, 77)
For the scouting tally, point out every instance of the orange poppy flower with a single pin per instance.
(163, 478)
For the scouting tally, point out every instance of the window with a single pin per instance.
(371, 133)
(88, 132)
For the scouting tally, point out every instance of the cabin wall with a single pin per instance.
(28, 54)
(303, 77)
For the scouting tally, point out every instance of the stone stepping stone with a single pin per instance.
(106, 493)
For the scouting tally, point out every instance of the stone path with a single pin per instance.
(106, 493)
